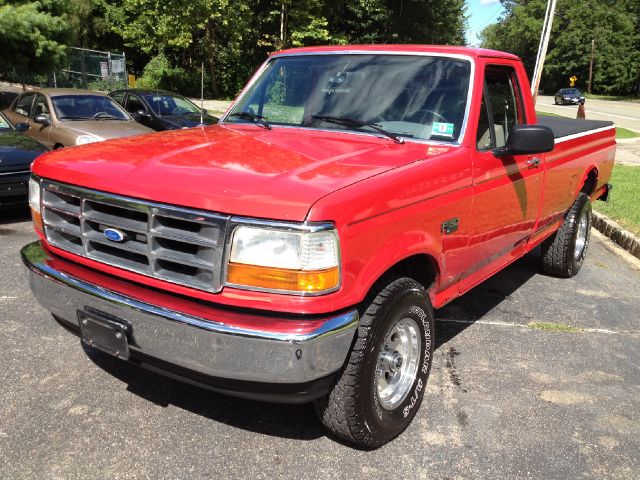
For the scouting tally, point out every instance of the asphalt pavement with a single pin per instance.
(507, 398)
(623, 114)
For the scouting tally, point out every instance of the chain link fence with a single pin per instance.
(84, 68)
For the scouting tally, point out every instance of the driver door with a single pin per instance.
(506, 189)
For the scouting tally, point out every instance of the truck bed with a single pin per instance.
(563, 127)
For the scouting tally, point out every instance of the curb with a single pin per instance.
(615, 232)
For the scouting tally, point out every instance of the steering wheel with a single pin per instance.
(434, 114)
(179, 111)
(101, 114)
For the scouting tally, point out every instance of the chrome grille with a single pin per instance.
(174, 244)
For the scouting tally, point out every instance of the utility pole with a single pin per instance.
(542, 48)
(593, 51)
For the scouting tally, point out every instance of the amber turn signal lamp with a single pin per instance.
(283, 279)
(37, 220)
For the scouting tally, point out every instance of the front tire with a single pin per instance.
(563, 253)
(380, 389)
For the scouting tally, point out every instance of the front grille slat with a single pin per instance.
(174, 244)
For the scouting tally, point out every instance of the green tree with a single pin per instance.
(613, 24)
(33, 35)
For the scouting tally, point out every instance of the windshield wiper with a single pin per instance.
(74, 118)
(352, 122)
(262, 121)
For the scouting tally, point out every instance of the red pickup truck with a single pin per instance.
(296, 251)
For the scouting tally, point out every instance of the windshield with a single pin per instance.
(170, 105)
(571, 91)
(87, 107)
(407, 95)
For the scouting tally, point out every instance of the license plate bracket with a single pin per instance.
(105, 333)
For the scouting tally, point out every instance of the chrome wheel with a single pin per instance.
(581, 236)
(398, 363)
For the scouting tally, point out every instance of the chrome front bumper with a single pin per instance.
(209, 348)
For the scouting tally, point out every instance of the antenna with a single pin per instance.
(202, 94)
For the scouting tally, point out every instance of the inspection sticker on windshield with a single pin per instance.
(442, 129)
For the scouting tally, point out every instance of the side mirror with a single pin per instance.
(141, 115)
(21, 127)
(527, 139)
(41, 119)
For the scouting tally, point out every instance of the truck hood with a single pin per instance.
(239, 170)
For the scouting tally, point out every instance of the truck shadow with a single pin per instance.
(299, 421)
(463, 312)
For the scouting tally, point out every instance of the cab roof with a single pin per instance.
(442, 49)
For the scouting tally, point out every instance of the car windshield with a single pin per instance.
(412, 96)
(87, 107)
(163, 104)
(571, 91)
(4, 123)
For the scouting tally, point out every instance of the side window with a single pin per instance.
(118, 97)
(134, 104)
(41, 107)
(23, 107)
(503, 107)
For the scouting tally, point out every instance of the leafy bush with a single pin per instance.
(161, 74)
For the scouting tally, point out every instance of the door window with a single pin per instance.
(134, 104)
(501, 108)
(23, 107)
(41, 107)
(118, 97)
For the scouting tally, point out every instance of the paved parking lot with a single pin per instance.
(507, 398)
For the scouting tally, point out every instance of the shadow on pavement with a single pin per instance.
(287, 421)
(13, 215)
(299, 421)
(475, 304)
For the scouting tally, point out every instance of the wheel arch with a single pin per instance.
(420, 266)
(589, 181)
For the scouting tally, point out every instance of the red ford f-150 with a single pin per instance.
(296, 251)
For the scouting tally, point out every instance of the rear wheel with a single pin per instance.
(563, 253)
(380, 389)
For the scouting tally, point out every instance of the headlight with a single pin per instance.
(284, 261)
(34, 204)
(84, 139)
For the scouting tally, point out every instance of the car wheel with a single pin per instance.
(555, 100)
(563, 253)
(380, 389)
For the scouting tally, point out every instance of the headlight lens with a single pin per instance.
(84, 139)
(34, 204)
(285, 261)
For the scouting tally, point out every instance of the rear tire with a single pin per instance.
(563, 253)
(380, 389)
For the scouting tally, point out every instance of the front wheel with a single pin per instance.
(563, 253)
(380, 389)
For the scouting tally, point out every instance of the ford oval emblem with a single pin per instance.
(114, 235)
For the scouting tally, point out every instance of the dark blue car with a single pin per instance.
(162, 110)
(568, 96)
(17, 152)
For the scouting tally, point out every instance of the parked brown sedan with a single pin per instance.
(63, 117)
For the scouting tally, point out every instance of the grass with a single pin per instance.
(625, 133)
(624, 204)
(614, 98)
(553, 327)
(621, 133)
